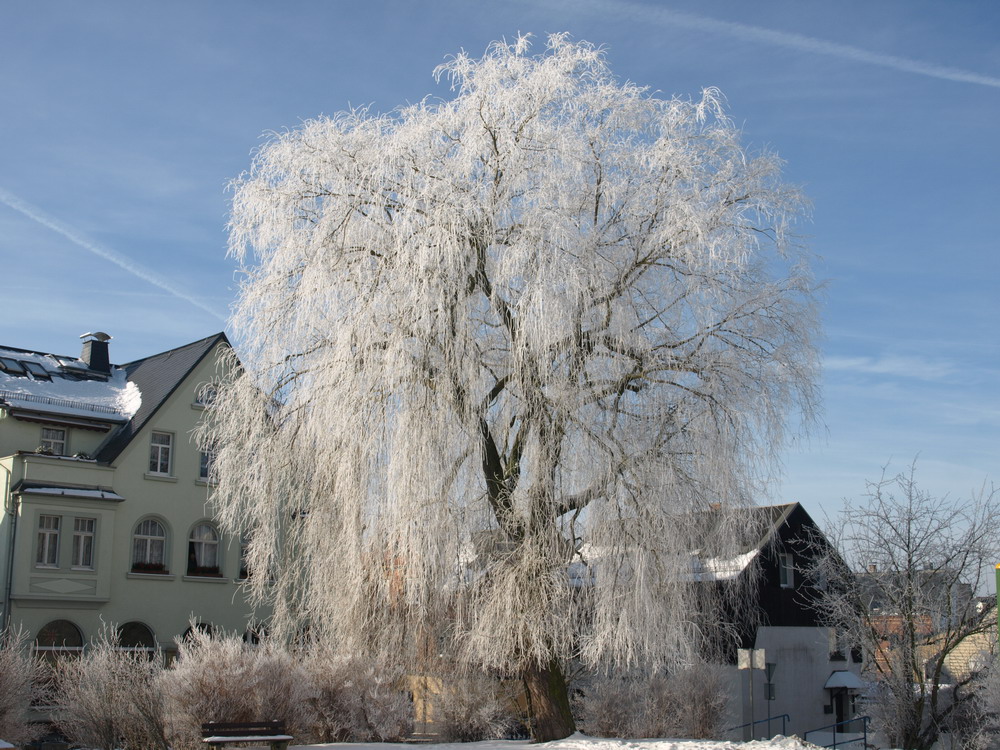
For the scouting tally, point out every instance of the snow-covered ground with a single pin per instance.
(583, 742)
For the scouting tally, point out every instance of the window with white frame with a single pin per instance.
(48, 542)
(205, 467)
(83, 542)
(786, 570)
(203, 551)
(160, 449)
(149, 547)
(54, 440)
(206, 394)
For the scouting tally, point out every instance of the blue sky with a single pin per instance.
(123, 122)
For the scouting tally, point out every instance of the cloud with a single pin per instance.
(921, 368)
(126, 264)
(812, 45)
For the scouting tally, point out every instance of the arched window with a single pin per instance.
(57, 639)
(205, 628)
(134, 636)
(203, 551)
(149, 547)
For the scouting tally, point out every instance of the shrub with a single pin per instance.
(219, 677)
(19, 678)
(471, 708)
(110, 698)
(690, 703)
(357, 701)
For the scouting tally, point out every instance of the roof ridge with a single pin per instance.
(175, 349)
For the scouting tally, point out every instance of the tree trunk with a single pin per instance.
(548, 702)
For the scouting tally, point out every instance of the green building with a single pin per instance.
(105, 499)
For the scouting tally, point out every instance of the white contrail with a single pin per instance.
(36, 214)
(665, 17)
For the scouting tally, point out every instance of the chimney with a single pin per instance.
(95, 351)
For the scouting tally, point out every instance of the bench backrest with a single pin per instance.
(241, 728)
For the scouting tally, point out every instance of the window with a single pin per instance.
(205, 469)
(244, 550)
(159, 452)
(136, 637)
(37, 371)
(83, 542)
(12, 366)
(203, 551)
(54, 440)
(148, 547)
(58, 638)
(206, 395)
(786, 570)
(48, 542)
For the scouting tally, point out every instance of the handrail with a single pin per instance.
(864, 731)
(769, 719)
(52, 401)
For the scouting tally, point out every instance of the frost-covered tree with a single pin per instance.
(904, 595)
(498, 350)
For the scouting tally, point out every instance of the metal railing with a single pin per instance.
(784, 719)
(50, 401)
(854, 735)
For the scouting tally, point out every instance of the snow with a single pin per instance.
(722, 569)
(113, 399)
(583, 742)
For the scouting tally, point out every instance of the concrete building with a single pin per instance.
(105, 498)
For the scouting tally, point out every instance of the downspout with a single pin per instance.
(10, 506)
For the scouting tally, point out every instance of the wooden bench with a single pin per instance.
(220, 733)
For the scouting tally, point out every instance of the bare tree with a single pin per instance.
(904, 593)
(488, 338)
(19, 679)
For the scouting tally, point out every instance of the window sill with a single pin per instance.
(201, 482)
(207, 579)
(151, 576)
(160, 477)
(199, 407)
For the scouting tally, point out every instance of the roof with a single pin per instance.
(841, 678)
(49, 385)
(38, 386)
(157, 377)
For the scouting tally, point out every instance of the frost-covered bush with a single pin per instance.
(690, 703)
(470, 708)
(221, 678)
(357, 701)
(110, 698)
(19, 675)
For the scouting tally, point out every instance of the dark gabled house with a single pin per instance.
(814, 678)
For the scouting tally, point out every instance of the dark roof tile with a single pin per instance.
(157, 377)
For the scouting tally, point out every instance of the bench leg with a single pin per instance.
(280, 745)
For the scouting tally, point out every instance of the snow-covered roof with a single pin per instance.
(721, 568)
(841, 678)
(49, 384)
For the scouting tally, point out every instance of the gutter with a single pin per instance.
(9, 583)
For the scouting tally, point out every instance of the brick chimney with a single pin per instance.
(95, 351)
